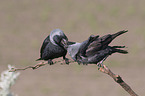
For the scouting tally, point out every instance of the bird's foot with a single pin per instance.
(79, 62)
(50, 62)
(85, 63)
(100, 64)
(66, 61)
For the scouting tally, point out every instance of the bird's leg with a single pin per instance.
(66, 60)
(104, 58)
(100, 64)
(50, 62)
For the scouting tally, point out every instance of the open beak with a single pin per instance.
(64, 43)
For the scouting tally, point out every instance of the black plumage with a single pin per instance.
(95, 50)
(53, 47)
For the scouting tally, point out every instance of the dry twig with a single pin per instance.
(117, 79)
(36, 66)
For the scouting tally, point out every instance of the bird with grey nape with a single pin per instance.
(53, 47)
(94, 50)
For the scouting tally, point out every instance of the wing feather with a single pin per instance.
(45, 42)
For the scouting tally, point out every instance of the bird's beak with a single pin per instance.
(64, 43)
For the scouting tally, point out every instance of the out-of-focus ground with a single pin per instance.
(24, 24)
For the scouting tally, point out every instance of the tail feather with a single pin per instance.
(121, 51)
(118, 33)
(107, 39)
(39, 59)
(116, 49)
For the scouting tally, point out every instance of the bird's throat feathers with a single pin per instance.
(73, 49)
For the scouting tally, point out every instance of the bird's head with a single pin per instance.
(58, 38)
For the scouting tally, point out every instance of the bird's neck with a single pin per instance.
(73, 49)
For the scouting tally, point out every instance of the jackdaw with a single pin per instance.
(53, 47)
(94, 50)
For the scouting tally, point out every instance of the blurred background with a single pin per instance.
(24, 24)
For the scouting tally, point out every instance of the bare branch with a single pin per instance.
(118, 79)
(103, 69)
(37, 66)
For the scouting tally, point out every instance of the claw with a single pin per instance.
(85, 63)
(99, 68)
(66, 61)
(79, 62)
(50, 62)
(100, 64)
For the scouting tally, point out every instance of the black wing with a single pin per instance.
(97, 45)
(85, 45)
(101, 43)
(45, 42)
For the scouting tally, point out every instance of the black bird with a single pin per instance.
(53, 47)
(94, 50)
